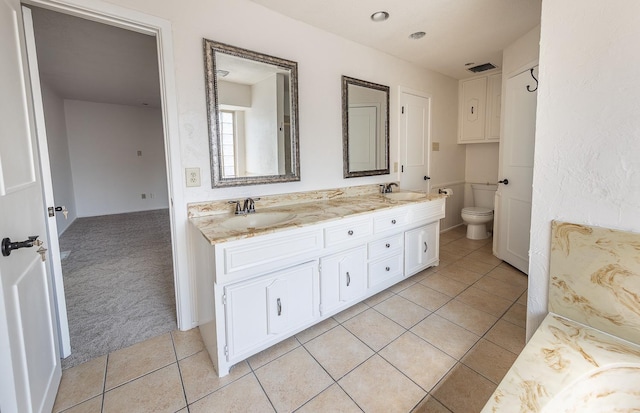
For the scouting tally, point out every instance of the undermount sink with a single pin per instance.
(257, 220)
(609, 388)
(405, 196)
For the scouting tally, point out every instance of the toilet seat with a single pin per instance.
(477, 211)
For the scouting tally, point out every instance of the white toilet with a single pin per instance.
(478, 216)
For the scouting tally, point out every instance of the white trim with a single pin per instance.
(522, 68)
(111, 14)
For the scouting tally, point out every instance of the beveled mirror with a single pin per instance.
(252, 112)
(365, 128)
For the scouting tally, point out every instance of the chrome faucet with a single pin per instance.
(248, 206)
(386, 188)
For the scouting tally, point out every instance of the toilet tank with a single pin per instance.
(484, 195)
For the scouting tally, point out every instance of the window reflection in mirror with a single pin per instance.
(252, 103)
(365, 123)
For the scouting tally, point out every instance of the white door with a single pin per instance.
(43, 152)
(514, 194)
(415, 142)
(363, 134)
(29, 355)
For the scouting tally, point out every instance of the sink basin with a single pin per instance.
(405, 196)
(606, 389)
(257, 220)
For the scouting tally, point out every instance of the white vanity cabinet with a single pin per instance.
(421, 248)
(479, 109)
(256, 291)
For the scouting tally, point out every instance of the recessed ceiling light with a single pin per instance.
(379, 16)
(417, 35)
(469, 63)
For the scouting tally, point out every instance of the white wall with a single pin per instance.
(587, 164)
(108, 175)
(322, 59)
(59, 156)
(481, 167)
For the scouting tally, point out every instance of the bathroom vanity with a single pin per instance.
(302, 258)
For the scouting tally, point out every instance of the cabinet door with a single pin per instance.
(473, 109)
(259, 311)
(342, 278)
(494, 98)
(421, 248)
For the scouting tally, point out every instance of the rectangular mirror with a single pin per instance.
(252, 112)
(365, 128)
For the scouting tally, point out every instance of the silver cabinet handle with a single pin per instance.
(350, 232)
(393, 221)
(387, 245)
(388, 268)
(348, 279)
(426, 247)
(279, 305)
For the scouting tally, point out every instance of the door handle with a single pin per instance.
(279, 305)
(52, 211)
(348, 279)
(8, 246)
(426, 247)
(504, 181)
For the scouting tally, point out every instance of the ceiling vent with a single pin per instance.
(482, 68)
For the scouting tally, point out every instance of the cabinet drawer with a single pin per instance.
(347, 232)
(427, 211)
(390, 221)
(384, 269)
(386, 246)
(254, 253)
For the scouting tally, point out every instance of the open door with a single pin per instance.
(29, 353)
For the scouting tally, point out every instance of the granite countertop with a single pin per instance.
(303, 214)
(566, 355)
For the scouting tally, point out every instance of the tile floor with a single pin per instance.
(439, 341)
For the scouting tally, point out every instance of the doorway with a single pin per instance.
(415, 140)
(104, 125)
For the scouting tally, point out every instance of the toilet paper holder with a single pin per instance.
(445, 191)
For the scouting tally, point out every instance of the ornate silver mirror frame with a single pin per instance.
(365, 128)
(285, 145)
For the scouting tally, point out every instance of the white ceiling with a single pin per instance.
(458, 31)
(85, 60)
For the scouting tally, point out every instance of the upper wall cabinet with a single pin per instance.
(479, 111)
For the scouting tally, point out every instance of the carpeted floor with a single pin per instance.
(118, 281)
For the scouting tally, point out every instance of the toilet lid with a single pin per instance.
(477, 211)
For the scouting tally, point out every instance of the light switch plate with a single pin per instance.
(193, 176)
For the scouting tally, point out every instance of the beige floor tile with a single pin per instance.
(509, 275)
(443, 284)
(430, 405)
(90, 406)
(402, 285)
(332, 400)
(273, 352)
(517, 315)
(418, 360)
(374, 329)
(378, 298)
(476, 321)
(425, 297)
(199, 377)
(402, 311)
(460, 274)
(484, 301)
(500, 288)
(243, 395)
(470, 244)
(132, 362)
(475, 265)
(507, 335)
(424, 274)
(455, 251)
(292, 380)
(446, 259)
(490, 360)
(187, 342)
(160, 391)
(338, 351)
(445, 335)
(523, 298)
(463, 390)
(486, 257)
(314, 331)
(350, 312)
(378, 387)
(81, 383)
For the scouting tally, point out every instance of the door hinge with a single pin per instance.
(403, 109)
(226, 351)
(224, 299)
(319, 268)
(402, 169)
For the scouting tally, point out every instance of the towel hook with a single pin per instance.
(534, 78)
